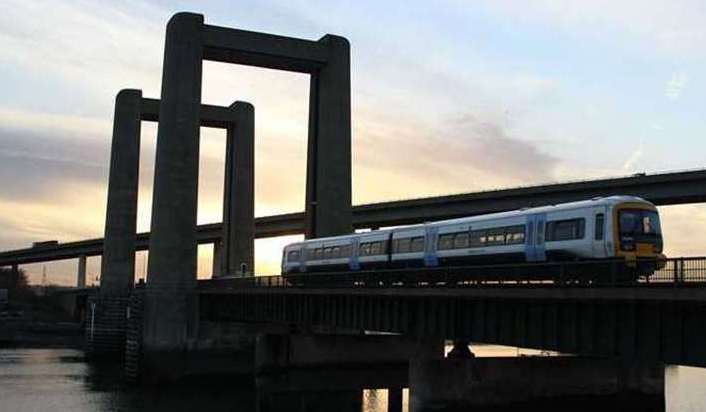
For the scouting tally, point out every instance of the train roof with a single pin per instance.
(596, 201)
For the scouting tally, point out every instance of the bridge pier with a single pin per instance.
(81, 275)
(482, 382)
(15, 274)
(107, 311)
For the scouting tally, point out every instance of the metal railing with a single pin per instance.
(673, 272)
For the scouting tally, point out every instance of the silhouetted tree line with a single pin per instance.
(15, 282)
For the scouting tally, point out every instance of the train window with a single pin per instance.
(318, 253)
(417, 244)
(446, 241)
(327, 252)
(478, 238)
(461, 240)
(365, 249)
(600, 223)
(293, 255)
(403, 245)
(496, 237)
(565, 229)
(375, 248)
(345, 250)
(336, 253)
(515, 235)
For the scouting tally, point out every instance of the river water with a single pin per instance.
(60, 380)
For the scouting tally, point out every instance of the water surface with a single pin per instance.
(56, 380)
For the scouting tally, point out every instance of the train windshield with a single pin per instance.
(639, 226)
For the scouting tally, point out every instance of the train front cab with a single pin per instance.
(637, 236)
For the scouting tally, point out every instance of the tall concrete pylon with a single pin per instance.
(118, 273)
(173, 247)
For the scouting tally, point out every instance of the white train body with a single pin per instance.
(600, 228)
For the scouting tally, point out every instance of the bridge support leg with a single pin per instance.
(239, 192)
(217, 264)
(15, 276)
(328, 182)
(81, 275)
(169, 303)
(118, 260)
(107, 311)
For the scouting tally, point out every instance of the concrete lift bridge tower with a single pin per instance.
(173, 244)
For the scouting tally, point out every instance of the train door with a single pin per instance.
(354, 263)
(534, 245)
(600, 248)
(430, 257)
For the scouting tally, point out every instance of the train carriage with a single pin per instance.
(623, 227)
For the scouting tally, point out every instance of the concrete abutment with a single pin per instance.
(459, 384)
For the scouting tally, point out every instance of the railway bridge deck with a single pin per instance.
(660, 320)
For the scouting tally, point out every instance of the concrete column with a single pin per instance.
(217, 264)
(239, 192)
(118, 261)
(15, 275)
(173, 248)
(328, 184)
(81, 276)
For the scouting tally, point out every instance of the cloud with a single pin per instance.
(634, 158)
(671, 27)
(473, 151)
(675, 85)
(89, 51)
(35, 164)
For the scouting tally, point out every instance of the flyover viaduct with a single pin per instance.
(661, 189)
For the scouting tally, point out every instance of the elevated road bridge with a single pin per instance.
(661, 189)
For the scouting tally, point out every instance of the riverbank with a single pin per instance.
(23, 334)
(38, 324)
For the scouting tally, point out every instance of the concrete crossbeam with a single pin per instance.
(230, 45)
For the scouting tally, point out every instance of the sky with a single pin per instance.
(447, 97)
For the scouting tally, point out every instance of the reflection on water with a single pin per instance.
(60, 380)
(375, 400)
(685, 389)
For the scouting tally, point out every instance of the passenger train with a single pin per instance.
(615, 227)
